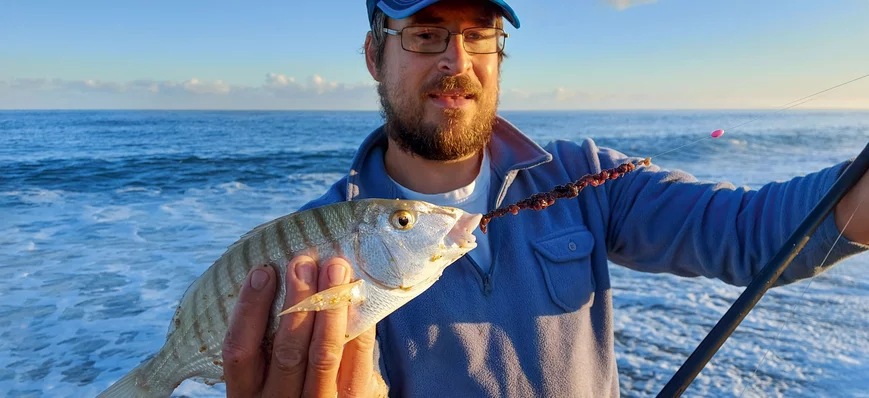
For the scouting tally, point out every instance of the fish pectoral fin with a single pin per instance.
(331, 298)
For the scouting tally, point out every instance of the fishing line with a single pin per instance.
(770, 272)
(804, 98)
(715, 133)
(800, 298)
(783, 107)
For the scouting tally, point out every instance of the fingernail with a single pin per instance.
(305, 272)
(336, 274)
(259, 279)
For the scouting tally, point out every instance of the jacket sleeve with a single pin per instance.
(335, 194)
(668, 221)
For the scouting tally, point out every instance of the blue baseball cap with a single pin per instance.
(399, 9)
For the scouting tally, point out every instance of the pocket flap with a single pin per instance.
(566, 245)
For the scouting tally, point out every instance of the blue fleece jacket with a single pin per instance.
(539, 321)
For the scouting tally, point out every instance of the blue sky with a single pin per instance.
(568, 54)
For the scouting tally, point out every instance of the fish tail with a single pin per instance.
(129, 386)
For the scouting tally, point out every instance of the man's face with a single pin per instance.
(440, 106)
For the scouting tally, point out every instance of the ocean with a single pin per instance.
(107, 216)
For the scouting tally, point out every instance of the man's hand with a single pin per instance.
(856, 204)
(308, 355)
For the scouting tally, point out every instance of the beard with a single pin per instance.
(461, 133)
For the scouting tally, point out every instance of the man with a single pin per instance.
(529, 312)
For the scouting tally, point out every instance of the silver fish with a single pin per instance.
(397, 249)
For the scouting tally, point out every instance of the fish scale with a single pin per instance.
(365, 232)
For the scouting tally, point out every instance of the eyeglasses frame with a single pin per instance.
(450, 35)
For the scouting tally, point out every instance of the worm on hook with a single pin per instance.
(540, 201)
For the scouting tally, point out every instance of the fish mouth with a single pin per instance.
(462, 233)
(459, 240)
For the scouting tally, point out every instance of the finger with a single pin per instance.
(286, 375)
(327, 342)
(243, 360)
(379, 389)
(357, 366)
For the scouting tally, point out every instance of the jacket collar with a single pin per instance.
(510, 151)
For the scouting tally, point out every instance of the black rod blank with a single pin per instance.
(765, 279)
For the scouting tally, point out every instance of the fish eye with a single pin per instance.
(402, 220)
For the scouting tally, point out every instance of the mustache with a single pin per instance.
(448, 83)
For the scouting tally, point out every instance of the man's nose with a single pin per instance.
(455, 60)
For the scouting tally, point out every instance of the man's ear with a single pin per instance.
(369, 57)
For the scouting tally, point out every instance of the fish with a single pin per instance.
(396, 248)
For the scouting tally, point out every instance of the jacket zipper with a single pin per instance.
(487, 285)
(485, 278)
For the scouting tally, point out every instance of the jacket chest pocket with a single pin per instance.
(565, 260)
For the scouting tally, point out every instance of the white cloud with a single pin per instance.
(279, 80)
(200, 87)
(624, 4)
(100, 86)
(283, 85)
(278, 91)
(26, 84)
(191, 86)
(559, 98)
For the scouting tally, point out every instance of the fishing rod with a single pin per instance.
(766, 278)
(761, 283)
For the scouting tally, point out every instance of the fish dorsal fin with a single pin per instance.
(270, 224)
(258, 229)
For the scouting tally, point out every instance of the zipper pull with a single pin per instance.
(487, 285)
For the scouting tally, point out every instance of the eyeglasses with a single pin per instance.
(434, 39)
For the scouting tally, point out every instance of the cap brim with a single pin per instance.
(401, 10)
